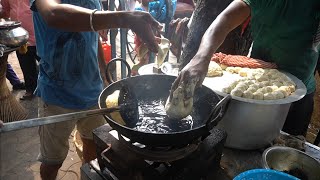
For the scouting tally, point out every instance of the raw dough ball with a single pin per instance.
(265, 83)
(258, 95)
(227, 90)
(252, 89)
(242, 84)
(234, 84)
(285, 89)
(237, 70)
(262, 90)
(261, 78)
(254, 86)
(278, 94)
(214, 70)
(276, 83)
(236, 92)
(273, 87)
(268, 96)
(248, 94)
(260, 85)
(230, 69)
(223, 67)
(244, 72)
(268, 89)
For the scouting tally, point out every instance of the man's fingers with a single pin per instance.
(175, 85)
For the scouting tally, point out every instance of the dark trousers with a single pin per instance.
(299, 116)
(12, 76)
(29, 68)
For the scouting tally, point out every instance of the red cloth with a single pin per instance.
(241, 61)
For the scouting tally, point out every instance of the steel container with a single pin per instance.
(12, 34)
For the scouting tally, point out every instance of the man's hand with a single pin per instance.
(196, 69)
(143, 24)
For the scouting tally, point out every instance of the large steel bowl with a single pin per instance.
(291, 161)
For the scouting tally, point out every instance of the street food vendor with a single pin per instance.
(284, 32)
(69, 78)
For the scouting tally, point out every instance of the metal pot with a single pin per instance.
(254, 124)
(12, 34)
(291, 161)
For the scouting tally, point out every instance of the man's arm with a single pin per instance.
(235, 14)
(75, 18)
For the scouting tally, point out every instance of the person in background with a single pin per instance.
(282, 33)
(19, 10)
(14, 80)
(69, 78)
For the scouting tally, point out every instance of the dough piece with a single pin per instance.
(252, 89)
(163, 49)
(227, 90)
(261, 78)
(276, 83)
(234, 84)
(241, 87)
(181, 103)
(254, 86)
(230, 70)
(268, 96)
(278, 95)
(236, 92)
(214, 70)
(265, 83)
(248, 94)
(112, 101)
(273, 87)
(262, 90)
(258, 95)
(285, 89)
(268, 89)
(223, 67)
(237, 70)
(244, 72)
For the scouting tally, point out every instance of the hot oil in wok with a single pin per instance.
(153, 119)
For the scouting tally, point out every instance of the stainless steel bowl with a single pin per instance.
(291, 161)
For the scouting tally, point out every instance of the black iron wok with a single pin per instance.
(208, 110)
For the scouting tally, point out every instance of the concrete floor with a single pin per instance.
(19, 149)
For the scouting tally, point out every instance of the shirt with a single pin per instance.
(283, 32)
(69, 74)
(19, 10)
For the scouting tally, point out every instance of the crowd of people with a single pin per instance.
(64, 37)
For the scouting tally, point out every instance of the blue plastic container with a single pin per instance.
(264, 174)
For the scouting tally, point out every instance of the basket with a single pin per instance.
(264, 174)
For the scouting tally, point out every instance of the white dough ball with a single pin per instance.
(278, 94)
(258, 95)
(268, 96)
(252, 89)
(236, 92)
(247, 94)
(227, 90)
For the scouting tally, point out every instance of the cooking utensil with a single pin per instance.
(208, 110)
(291, 161)
(12, 34)
(128, 109)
